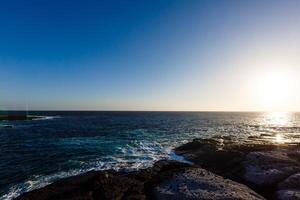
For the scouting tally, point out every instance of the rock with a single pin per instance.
(90, 186)
(255, 161)
(203, 151)
(289, 188)
(110, 185)
(18, 117)
(201, 184)
(214, 155)
(294, 154)
(288, 195)
(168, 165)
(268, 168)
(77, 187)
(292, 182)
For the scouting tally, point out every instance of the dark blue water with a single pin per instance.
(36, 153)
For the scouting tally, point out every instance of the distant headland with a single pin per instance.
(18, 117)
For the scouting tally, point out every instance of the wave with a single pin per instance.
(134, 156)
(37, 182)
(46, 117)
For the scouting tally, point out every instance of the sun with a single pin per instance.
(275, 90)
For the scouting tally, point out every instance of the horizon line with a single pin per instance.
(86, 110)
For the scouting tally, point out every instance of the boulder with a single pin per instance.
(288, 195)
(201, 184)
(268, 168)
(289, 188)
(292, 182)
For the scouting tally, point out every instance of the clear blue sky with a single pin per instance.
(142, 55)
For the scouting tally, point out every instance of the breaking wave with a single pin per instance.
(134, 156)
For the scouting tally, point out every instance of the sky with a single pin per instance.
(164, 55)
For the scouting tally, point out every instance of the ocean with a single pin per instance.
(61, 144)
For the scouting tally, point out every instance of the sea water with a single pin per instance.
(38, 152)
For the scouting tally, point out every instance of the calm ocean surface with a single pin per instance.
(36, 153)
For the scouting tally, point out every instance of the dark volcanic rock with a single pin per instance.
(188, 182)
(203, 185)
(18, 117)
(292, 182)
(77, 187)
(212, 154)
(258, 163)
(269, 168)
(107, 184)
(288, 195)
(289, 188)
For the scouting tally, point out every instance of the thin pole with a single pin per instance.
(26, 110)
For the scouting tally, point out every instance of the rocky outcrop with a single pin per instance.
(268, 168)
(108, 184)
(203, 185)
(255, 162)
(289, 188)
(189, 183)
(18, 117)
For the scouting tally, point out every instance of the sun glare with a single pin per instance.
(275, 90)
(279, 139)
(277, 118)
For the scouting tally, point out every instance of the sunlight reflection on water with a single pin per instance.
(278, 118)
(279, 139)
(280, 124)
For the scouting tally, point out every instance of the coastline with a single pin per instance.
(254, 168)
(19, 117)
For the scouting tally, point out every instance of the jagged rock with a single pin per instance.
(108, 185)
(214, 154)
(288, 195)
(76, 187)
(202, 184)
(289, 188)
(292, 181)
(254, 161)
(268, 168)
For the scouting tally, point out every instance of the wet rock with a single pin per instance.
(77, 187)
(202, 184)
(91, 186)
(108, 185)
(214, 154)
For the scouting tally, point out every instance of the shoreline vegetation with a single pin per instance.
(223, 168)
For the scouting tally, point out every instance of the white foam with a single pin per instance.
(37, 182)
(46, 117)
(142, 155)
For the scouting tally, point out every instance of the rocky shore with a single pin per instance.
(223, 168)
